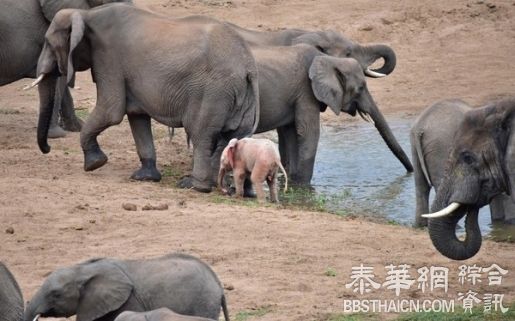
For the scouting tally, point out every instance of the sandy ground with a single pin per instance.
(285, 264)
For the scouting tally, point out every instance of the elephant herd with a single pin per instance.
(220, 82)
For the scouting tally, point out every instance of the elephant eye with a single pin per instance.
(348, 54)
(319, 48)
(468, 158)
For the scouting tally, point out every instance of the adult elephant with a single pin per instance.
(480, 166)
(431, 139)
(11, 299)
(22, 32)
(200, 76)
(296, 84)
(328, 42)
(101, 289)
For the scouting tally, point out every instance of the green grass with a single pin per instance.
(248, 314)
(330, 272)
(304, 197)
(82, 113)
(169, 171)
(225, 199)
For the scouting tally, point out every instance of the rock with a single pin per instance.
(160, 207)
(9, 230)
(229, 287)
(386, 21)
(79, 228)
(367, 28)
(129, 207)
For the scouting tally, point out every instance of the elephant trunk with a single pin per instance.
(385, 52)
(31, 313)
(51, 90)
(442, 230)
(385, 132)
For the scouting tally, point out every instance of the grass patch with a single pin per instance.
(330, 272)
(82, 112)
(169, 171)
(304, 197)
(245, 315)
(459, 315)
(249, 202)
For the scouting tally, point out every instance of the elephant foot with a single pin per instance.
(72, 124)
(94, 159)
(188, 182)
(147, 172)
(56, 132)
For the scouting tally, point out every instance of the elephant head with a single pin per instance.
(89, 290)
(334, 44)
(56, 65)
(340, 84)
(479, 167)
(50, 7)
(11, 299)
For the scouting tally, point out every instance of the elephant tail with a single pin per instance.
(285, 176)
(224, 308)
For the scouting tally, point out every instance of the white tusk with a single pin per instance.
(374, 74)
(35, 82)
(362, 115)
(446, 211)
(36, 317)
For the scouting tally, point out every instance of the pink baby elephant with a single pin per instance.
(258, 158)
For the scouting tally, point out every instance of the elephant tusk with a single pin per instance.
(36, 317)
(35, 82)
(446, 211)
(362, 115)
(374, 74)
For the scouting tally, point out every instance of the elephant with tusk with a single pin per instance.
(479, 166)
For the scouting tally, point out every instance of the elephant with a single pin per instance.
(431, 141)
(329, 42)
(102, 288)
(162, 314)
(296, 84)
(257, 158)
(200, 76)
(11, 298)
(23, 26)
(480, 166)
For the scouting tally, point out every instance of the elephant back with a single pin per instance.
(11, 299)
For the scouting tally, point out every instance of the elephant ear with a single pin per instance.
(105, 291)
(10, 294)
(65, 31)
(509, 156)
(327, 83)
(51, 7)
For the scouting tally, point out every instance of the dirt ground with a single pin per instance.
(277, 263)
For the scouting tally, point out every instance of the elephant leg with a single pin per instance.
(142, 132)
(55, 131)
(272, 186)
(502, 209)
(69, 119)
(307, 126)
(288, 148)
(108, 111)
(239, 179)
(256, 177)
(422, 189)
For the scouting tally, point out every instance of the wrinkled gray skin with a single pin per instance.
(11, 299)
(22, 33)
(431, 139)
(200, 76)
(162, 314)
(100, 289)
(296, 83)
(480, 166)
(329, 42)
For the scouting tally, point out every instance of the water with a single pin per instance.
(356, 172)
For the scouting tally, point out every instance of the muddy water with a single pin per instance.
(356, 172)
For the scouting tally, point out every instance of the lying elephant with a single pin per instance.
(480, 166)
(24, 24)
(162, 314)
(11, 299)
(296, 84)
(101, 289)
(431, 142)
(200, 76)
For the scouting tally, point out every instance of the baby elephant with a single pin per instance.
(258, 158)
(162, 314)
